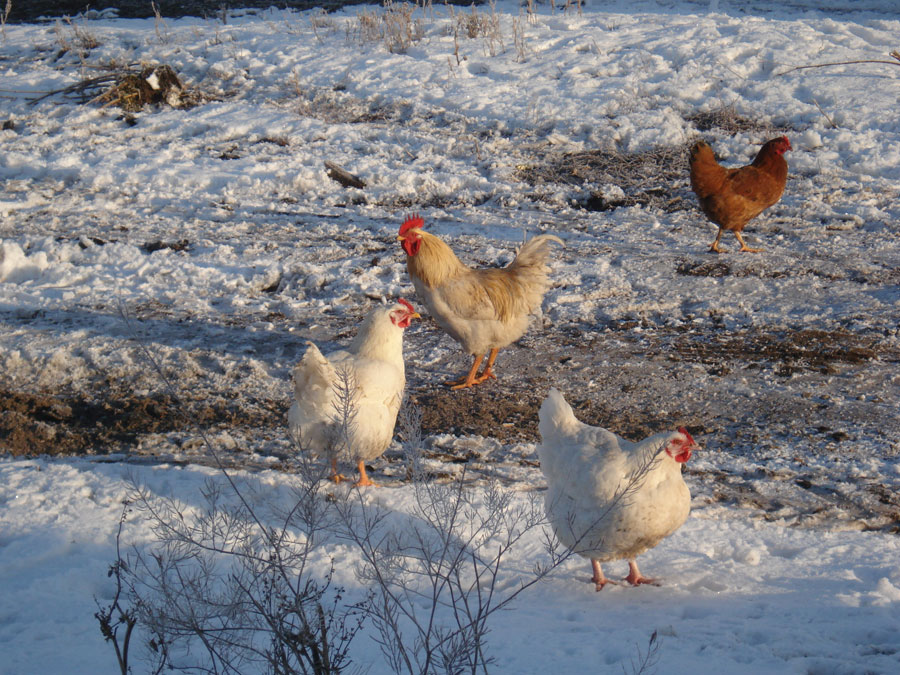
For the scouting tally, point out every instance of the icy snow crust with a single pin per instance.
(214, 237)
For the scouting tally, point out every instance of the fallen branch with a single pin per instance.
(343, 177)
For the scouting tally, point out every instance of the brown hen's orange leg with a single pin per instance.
(469, 380)
(364, 480)
(744, 246)
(635, 578)
(715, 245)
(335, 476)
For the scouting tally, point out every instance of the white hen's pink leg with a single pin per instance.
(599, 579)
(635, 578)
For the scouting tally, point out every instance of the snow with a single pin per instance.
(214, 237)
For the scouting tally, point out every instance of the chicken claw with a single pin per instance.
(635, 578)
(364, 480)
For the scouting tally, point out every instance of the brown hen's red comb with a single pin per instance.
(407, 304)
(413, 221)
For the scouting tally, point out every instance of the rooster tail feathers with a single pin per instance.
(536, 250)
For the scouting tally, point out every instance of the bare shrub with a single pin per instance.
(394, 25)
(226, 587)
(437, 575)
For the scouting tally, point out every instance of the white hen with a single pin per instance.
(608, 498)
(375, 375)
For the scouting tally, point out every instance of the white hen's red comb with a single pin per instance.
(407, 304)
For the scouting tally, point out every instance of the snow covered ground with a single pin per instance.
(214, 237)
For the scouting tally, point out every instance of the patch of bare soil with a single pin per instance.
(33, 424)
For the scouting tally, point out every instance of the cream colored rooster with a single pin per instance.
(484, 310)
(371, 370)
(608, 498)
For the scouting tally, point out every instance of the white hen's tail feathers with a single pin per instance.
(556, 415)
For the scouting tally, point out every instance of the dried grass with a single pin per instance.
(727, 119)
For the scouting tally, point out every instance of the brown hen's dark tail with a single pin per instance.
(706, 173)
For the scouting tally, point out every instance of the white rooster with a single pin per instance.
(371, 370)
(608, 498)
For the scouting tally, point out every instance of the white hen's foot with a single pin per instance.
(364, 480)
(599, 578)
(635, 578)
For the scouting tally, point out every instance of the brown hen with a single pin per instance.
(733, 197)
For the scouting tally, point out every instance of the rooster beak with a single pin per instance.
(401, 237)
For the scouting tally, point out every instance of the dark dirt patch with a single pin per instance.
(44, 424)
(645, 178)
(791, 350)
(510, 413)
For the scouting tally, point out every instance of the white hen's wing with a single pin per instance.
(585, 462)
(378, 391)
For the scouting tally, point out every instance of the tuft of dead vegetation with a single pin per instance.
(394, 25)
(727, 119)
(131, 88)
(74, 37)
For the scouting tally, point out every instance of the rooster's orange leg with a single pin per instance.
(364, 480)
(715, 245)
(469, 380)
(635, 578)
(487, 373)
(744, 246)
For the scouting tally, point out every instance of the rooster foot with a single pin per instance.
(462, 383)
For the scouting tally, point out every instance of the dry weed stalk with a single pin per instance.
(162, 29)
(894, 53)
(4, 15)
